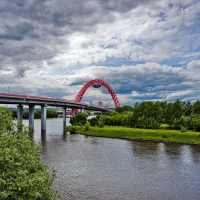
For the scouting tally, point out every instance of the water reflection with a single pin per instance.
(43, 139)
(144, 149)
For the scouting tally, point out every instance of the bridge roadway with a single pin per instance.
(31, 101)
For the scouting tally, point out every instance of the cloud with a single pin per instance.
(194, 65)
(146, 50)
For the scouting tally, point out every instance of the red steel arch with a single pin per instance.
(88, 84)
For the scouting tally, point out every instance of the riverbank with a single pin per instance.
(190, 137)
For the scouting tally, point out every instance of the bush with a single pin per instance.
(5, 119)
(101, 124)
(22, 174)
(72, 120)
(81, 118)
(87, 126)
(93, 121)
(74, 128)
(183, 129)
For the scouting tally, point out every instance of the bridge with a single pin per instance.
(44, 102)
(31, 101)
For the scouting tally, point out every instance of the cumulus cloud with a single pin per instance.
(144, 49)
(194, 65)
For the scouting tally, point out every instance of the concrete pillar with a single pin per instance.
(31, 115)
(43, 118)
(20, 112)
(73, 112)
(64, 120)
(82, 110)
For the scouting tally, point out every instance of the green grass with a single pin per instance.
(145, 134)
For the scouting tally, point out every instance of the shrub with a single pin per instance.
(183, 129)
(22, 173)
(5, 119)
(93, 121)
(73, 129)
(101, 124)
(87, 126)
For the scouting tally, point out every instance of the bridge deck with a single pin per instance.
(8, 98)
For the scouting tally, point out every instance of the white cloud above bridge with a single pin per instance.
(144, 49)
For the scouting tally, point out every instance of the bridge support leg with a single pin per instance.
(73, 112)
(82, 110)
(20, 112)
(31, 115)
(64, 120)
(43, 119)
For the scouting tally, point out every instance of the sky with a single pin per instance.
(146, 50)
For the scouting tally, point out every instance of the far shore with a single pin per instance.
(158, 135)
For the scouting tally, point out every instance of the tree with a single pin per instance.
(196, 108)
(22, 174)
(177, 109)
(124, 109)
(5, 119)
(168, 114)
(187, 108)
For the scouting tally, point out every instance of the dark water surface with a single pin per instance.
(102, 168)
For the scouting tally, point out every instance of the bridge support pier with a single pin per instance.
(64, 120)
(73, 112)
(20, 112)
(82, 110)
(31, 115)
(43, 119)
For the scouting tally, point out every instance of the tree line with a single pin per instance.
(153, 115)
(51, 113)
(179, 115)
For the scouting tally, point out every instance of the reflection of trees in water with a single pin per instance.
(195, 149)
(144, 149)
(172, 149)
(169, 152)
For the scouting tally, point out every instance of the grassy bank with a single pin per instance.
(134, 133)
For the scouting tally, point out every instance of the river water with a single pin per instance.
(111, 169)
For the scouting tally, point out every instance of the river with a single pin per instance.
(111, 169)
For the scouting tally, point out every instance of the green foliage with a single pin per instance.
(147, 134)
(73, 129)
(5, 119)
(196, 122)
(183, 129)
(151, 114)
(72, 120)
(80, 119)
(101, 124)
(93, 121)
(14, 113)
(22, 174)
(37, 114)
(87, 126)
(196, 108)
(51, 113)
(25, 114)
(124, 109)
